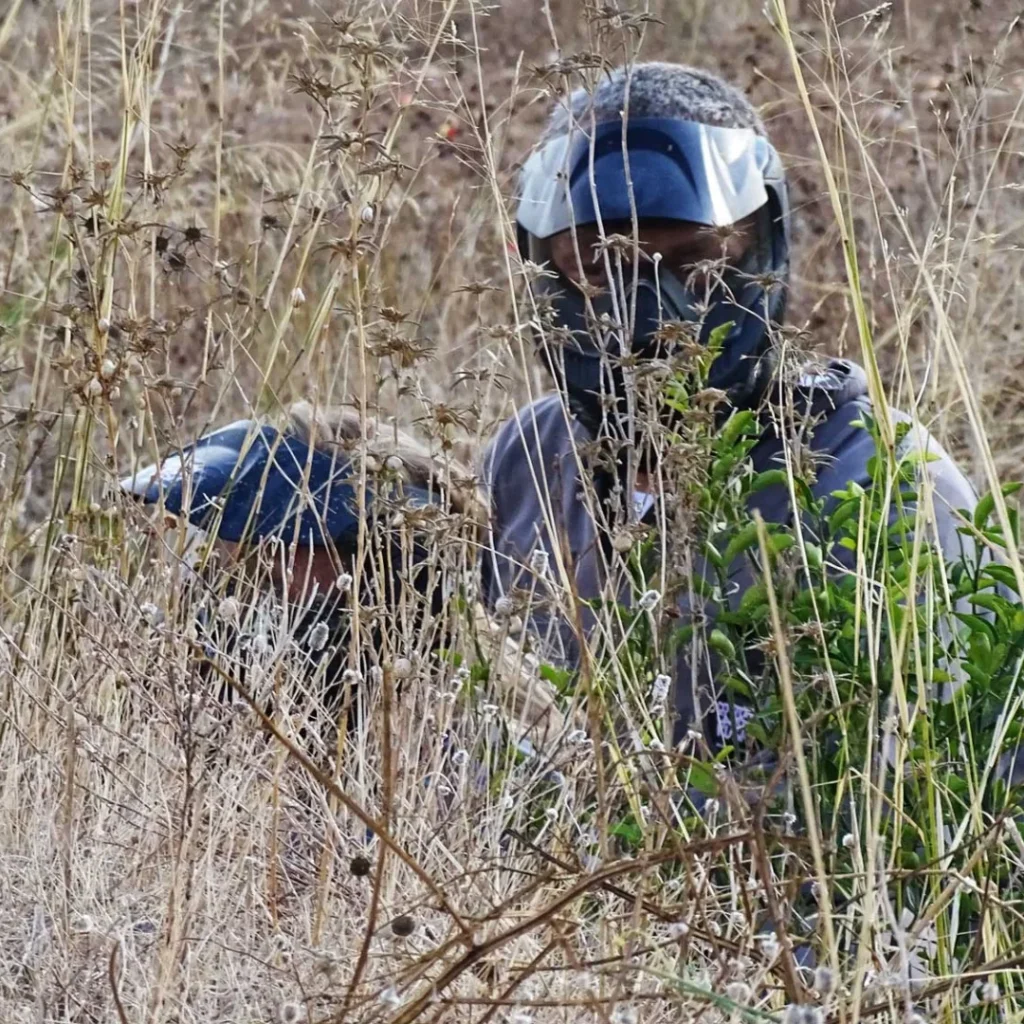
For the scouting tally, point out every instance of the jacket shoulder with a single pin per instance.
(541, 431)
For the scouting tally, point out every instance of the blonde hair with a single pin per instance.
(335, 427)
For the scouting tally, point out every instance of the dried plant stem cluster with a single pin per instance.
(210, 811)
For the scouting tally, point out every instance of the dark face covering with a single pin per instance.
(677, 171)
(645, 317)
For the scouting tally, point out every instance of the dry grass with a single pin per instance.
(215, 208)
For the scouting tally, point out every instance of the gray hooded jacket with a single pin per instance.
(532, 472)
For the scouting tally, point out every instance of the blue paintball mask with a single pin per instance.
(248, 482)
(663, 169)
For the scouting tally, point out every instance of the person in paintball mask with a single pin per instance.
(655, 199)
(280, 506)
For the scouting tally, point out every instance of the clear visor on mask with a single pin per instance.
(658, 168)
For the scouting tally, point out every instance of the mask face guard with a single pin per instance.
(677, 170)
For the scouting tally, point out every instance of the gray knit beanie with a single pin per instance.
(657, 89)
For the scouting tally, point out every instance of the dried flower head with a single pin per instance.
(360, 866)
(289, 1012)
(318, 637)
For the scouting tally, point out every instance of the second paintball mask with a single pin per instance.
(667, 169)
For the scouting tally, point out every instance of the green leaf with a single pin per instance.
(714, 556)
(738, 687)
(991, 602)
(844, 512)
(719, 642)
(741, 422)
(703, 778)
(562, 679)
(683, 635)
(978, 626)
(769, 478)
(779, 542)
(753, 597)
(629, 832)
(757, 732)
(745, 539)
(987, 505)
(814, 556)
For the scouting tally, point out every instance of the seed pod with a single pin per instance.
(360, 866)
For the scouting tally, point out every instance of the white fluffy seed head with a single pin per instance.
(228, 609)
(94, 388)
(108, 368)
(151, 613)
(539, 561)
(390, 996)
(738, 992)
(660, 687)
(318, 636)
(769, 946)
(990, 992)
(367, 215)
(401, 668)
(824, 980)
(797, 1013)
(289, 1013)
(649, 600)
(503, 607)
(344, 582)
(298, 297)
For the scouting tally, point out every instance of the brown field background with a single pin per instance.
(209, 210)
(930, 94)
